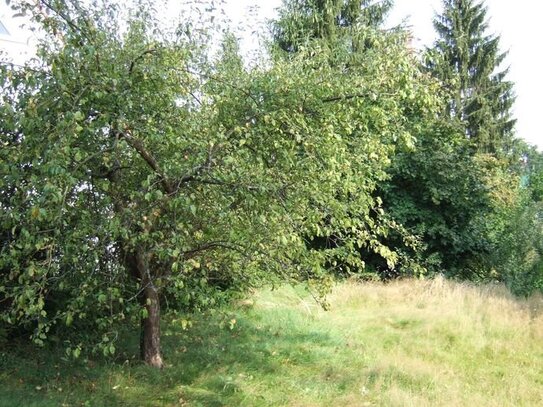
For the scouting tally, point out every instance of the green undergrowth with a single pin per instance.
(408, 343)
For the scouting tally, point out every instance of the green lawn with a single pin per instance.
(409, 343)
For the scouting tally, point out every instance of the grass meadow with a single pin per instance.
(406, 343)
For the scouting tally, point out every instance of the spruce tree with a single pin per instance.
(467, 59)
(300, 20)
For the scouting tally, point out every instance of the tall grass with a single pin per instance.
(407, 343)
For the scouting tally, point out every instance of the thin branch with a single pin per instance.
(62, 15)
(214, 181)
(213, 245)
(219, 80)
(140, 57)
(137, 145)
(370, 95)
(194, 172)
(344, 97)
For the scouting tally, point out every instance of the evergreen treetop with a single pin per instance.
(468, 59)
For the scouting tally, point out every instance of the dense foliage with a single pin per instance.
(116, 196)
(143, 166)
(438, 192)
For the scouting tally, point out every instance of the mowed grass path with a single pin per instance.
(407, 343)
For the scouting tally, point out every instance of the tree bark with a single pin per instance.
(150, 334)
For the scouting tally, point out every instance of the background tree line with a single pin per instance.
(140, 168)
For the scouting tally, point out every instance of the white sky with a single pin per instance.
(517, 22)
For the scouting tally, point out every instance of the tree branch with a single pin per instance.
(62, 15)
(138, 58)
(213, 245)
(194, 172)
(137, 145)
(344, 97)
(371, 95)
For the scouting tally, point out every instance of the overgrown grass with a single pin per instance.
(408, 343)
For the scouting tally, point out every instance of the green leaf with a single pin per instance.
(78, 116)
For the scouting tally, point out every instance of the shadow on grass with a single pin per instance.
(206, 366)
(223, 366)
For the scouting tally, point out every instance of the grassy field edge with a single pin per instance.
(406, 343)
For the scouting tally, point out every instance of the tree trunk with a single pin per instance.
(150, 334)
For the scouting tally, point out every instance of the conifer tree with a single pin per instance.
(467, 59)
(300, 20)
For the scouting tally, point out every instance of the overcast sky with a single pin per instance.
(516, 22)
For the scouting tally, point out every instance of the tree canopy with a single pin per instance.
(135, 166)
